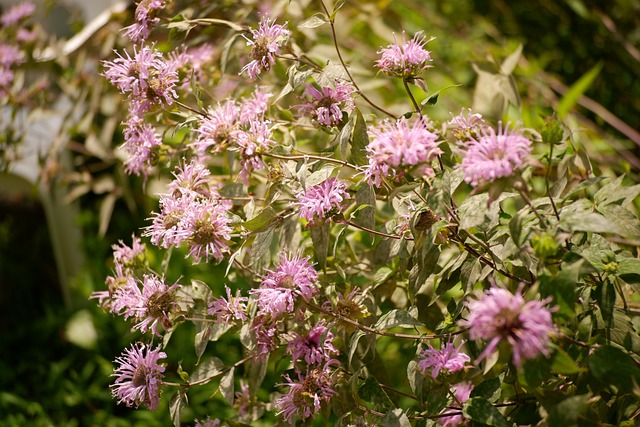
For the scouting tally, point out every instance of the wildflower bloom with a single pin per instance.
(265, 45)
(396, 145)
(207, 224)
(466, 125)
(500, 315)
(461, 391)
(255, 107)
(141, 142)
(10, 55)
(406, 60)
(327, 104)
(146, 19)
(150, 306)
(215, 128)
(229, 309)
(147, 78)
(448, 359)
(322, 201)
(293, 277)
(243, 401)
(306, 395)
(138, 376)
(265, 333)
(130, 257)
(250, 144)
(494, 155)
(192, 179)
(208, 423)
(17, 13)
(315, 347)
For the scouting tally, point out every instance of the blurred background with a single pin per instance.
(59, 218)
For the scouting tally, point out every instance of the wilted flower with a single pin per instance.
(396, 145)
(500, 315)
(327, 104)
(494, 155)
(322, 201)
(138, 376)
(306, 395)
(406, 60)
(265, 45)
(315, 347)
(448, 359)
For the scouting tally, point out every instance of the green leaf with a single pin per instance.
(395, 418)
(568, 412)
(562, 363)
(359, 140)
(261, 221)
(575, 92)
(480, 410)
(629, 270)
(587, 221)
(208, 369)
(365, 202)
(624, 219)
(474, 212)
(433, 98)
(396, 318)
(261, 244)
(382, 275)
(227, 386)
(346, 134)
(203, 330)
(371, 391)
(611, 366)
(320, 237)
(510, 62)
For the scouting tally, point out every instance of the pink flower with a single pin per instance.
(406, 60)
(17, 13)
(461, 391)
(492, 156)
(466, 125)
(146, 19)
(214, 129)
(306, 395)
(315, 347)
(265, 46)
(327, 104)
(208, 423)
(167, 228)
(147, 78)
(397, 145)
(138, 376)
(141, 142)
(265, 333)
(255, 107)
(500, 315)
(192, 179)
(448, 359)
(229, 309)
(250, 144)
(293, 277)
(322, 201)
(150, 306)
(10, 55)
(207, 224)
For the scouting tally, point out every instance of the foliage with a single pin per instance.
(319, 264)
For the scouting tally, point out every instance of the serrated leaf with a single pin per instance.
(613, 366)
(203, 330)
(227, 386)
(261, 244)
(587, 221)
(480, 410)
(382, 275)
(396, 318)
(623, 219)
(474, 212)
(208, 369)
(320, 238)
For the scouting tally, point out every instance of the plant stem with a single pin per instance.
(311, 156)
(344, 65)
(413, 100)
(547, 177)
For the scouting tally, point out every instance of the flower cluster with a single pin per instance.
(326, 105)
(193, 213)
(315, 347)
(407, 60)
(229, 309)
(397, 145)
(138, 376)
(265, 46)
(322, 201)
(498, 315)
